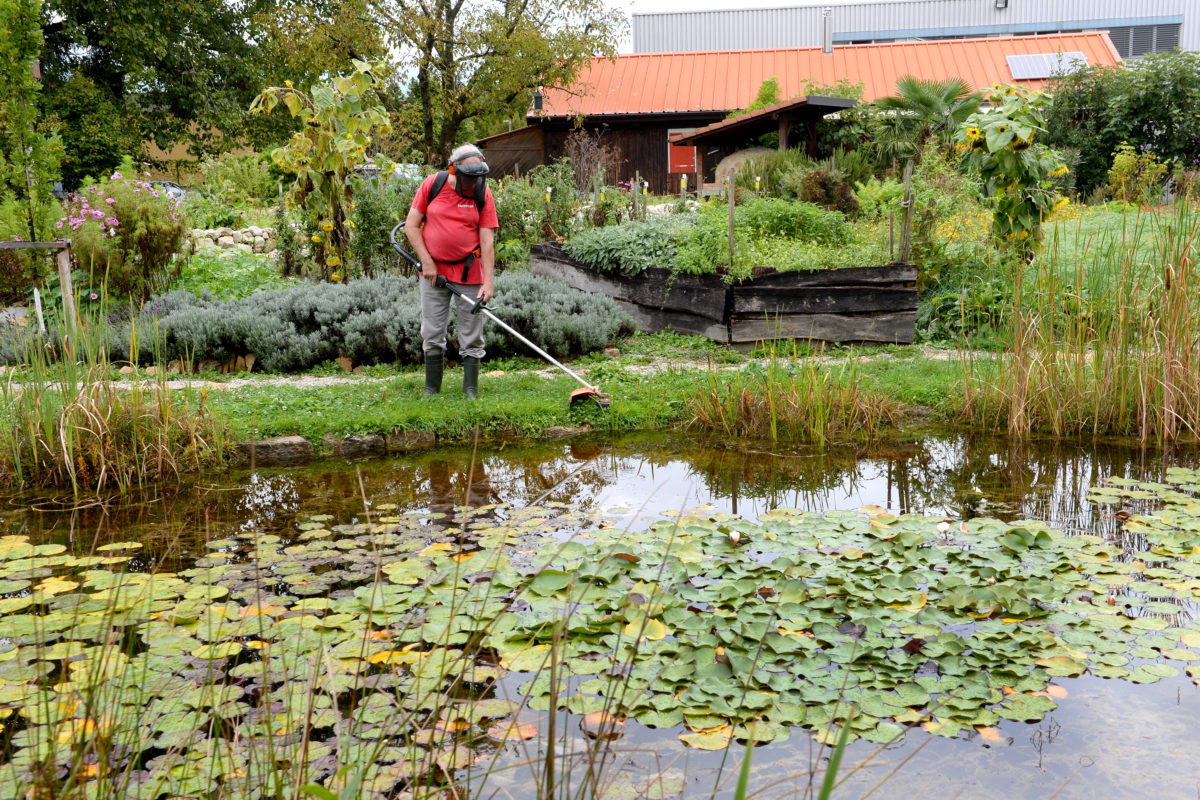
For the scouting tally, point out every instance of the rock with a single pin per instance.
(403, 441)
(174, 367)
(496, 373)
(210, 365)
(254, 231)
(269, 246)
(250, 359)
(225, 241)
(269, 452)
(238, 237)
(563, 431)
(205, 244)
(345, 363)
(126, 370)
(355, 445)
(215, 387)
(245, 248)
(151, 370)
(224, 232)
(358, 370)
(611, 352)
(269, 233)
(259, 243)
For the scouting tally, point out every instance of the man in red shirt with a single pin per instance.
(454, 236)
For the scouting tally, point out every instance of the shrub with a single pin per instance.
(124, 235)
(370, 321)
(878, 198)
(229, 274)
(240, 179)
(631, 247)
(526, 217)
(1135, 177)
(828, 188)
(378, 206)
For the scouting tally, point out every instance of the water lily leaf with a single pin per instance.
(105, 548)
(650, 629)
(549, 582)
(602, 725)
(515, 731)
(715, 739)
(218, 650)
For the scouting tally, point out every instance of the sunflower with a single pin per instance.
(327, 226)
(973, 133)
(332, 261)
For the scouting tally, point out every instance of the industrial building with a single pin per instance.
(1135, 28)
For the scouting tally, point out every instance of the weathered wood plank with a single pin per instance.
(702, 295)
(849, 276)
(822, 300)
(897, 328)
(651, 320)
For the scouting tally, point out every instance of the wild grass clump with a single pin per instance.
(65, 423)
(1108, 344)
(792, 397)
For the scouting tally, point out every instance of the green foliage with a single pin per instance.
(337, 119)
(204, 211)
(768, 95)
(370, 321)
(95, 133)
(974, 314)
(30, 154)
(240, 179)
(124, 235)
(922, 111)
(229, 274)
(525, 215)
(633, 246)
(781, 171)
(877, 199)
(1149, 102)
(828, 187)
(476, 58)
(1017, 174)
(379, 205)
(1135, 177)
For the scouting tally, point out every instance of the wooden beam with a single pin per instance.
(61, 244)
(784, 126)
(811, 128)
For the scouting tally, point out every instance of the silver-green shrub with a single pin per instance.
(370, 321)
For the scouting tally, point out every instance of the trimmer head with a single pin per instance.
(580, 395)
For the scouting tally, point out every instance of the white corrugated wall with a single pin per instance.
(801, 27)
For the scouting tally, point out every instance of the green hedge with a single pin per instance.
(370, 321)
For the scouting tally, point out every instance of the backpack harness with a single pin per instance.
(480, 194)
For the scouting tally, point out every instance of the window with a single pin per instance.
(1139, 40)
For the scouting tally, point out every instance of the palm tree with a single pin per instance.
(920, 111)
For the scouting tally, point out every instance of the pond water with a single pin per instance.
(1106, 738)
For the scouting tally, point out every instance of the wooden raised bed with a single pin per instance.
(859, 304)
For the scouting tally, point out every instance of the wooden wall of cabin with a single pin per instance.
(642, 147)
(516, 153)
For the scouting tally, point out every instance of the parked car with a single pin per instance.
(170, 188)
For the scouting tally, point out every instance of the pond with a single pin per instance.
(1101, 737)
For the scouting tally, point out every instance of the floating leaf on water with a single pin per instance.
(516, 731)
(714, 739)
(105, 548)
(602, 725)
(218, 650)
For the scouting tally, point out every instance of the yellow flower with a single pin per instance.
(316, 237)
(1062, 203)
(973, 133)
(288, 84)
(327, 226)
(336, 277)
(384, 128)
(332, 261)
(1001, 128)
(350, 224)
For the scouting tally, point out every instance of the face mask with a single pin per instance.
(465, 186)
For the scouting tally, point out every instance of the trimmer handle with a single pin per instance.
(441, 283)
(407, 256)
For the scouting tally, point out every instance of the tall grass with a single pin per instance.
(793, 396)
(65, 422)
(1103, 342)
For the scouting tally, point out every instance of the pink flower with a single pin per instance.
(116, 176)
(110, 200)
(95, 296)
(60, 224)
(112, 221)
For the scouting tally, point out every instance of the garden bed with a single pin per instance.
(858, 304)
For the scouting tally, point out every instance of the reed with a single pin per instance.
(1106, 343)
(64, 421)
(797, 396)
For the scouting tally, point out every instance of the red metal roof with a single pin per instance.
(656, 83)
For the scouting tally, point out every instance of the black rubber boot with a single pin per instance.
(434, 364)
(471, 377)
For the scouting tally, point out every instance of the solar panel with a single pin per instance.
(1038, 66)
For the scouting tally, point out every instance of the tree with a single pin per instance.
(471, 58)
(29, 154)
(922, 110)
(180, 71)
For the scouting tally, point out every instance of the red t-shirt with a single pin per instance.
(451, 229)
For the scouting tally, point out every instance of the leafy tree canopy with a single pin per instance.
(471, 58)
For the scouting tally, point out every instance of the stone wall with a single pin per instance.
(249, 240)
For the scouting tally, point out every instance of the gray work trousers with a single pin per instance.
(435, 317)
